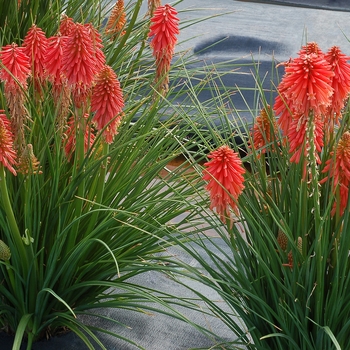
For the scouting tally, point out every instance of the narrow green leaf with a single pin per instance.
(20, 331)
(49, 290)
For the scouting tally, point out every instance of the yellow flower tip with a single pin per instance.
(5, 253)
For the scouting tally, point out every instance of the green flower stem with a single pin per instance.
(32, 292)
(334, 253)
(97, 195)
(12, 221)
(319, 239)
(78, 173)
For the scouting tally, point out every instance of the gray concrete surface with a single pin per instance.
(262, 29)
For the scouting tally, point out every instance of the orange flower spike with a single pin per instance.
(66, 25)
(53, 65)
(224, 173)
(7, 153)
(35, 45)
(53, 58)
(282, 107)
(17, 65)
(282, 240)
(107, 102)
(164, 28)
(163, 31)
(79, 63)
(298, 137)
(28, 162)
(310, 48)
(307, 84)
(14, 75)
(264, 129)
(341, 80)
(100, 58)
(338, 167)
(117, 19)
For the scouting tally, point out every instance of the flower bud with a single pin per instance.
(5, 253)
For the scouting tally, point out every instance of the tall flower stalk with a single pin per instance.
(163, 33)
(224, 173)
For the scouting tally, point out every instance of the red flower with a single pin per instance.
(338, 167)
(163, 30)
(340, 81)
(224, 173)
(53, 65)
(264, 130)
(35, 46)
(100, 58)
(17, 65)
(7, 153)
(117, 19)
(282, 106)
(15, 74)
(53, 57)
(107, 103)
(299, 136)
(66, 25)
(307, 84)
(79, 63)
(310, 48)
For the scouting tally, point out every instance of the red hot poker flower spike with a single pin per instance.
(17, 65)
(66, 25)
(340, 81)
(299, 140)
(339, 169)
(264, 130)
(308, 84)
(53, 58)
(163, 30)
(35, 46)
(117, 20)
(79, 63)
(107, 102)
(224, 173)
(7, 152)
(100, 58)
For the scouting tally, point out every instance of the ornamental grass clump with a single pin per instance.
(282, 261)
(82, 205)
